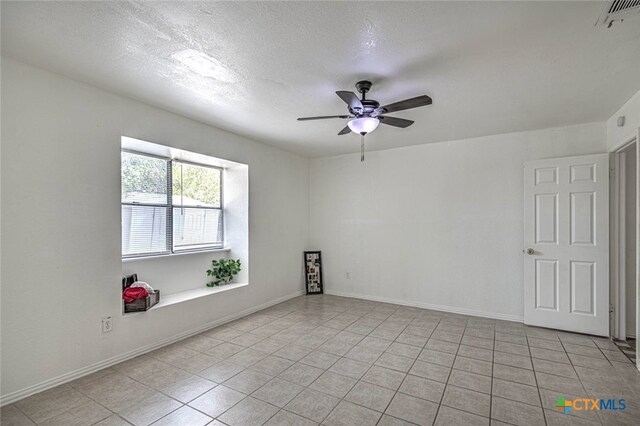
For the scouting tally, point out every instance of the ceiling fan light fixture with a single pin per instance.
(363, 125)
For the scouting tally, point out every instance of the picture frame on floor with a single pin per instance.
(313, 272)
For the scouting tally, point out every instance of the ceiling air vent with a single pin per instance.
(618, 10)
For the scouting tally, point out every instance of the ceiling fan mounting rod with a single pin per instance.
(363, 87)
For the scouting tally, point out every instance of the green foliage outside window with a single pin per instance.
(192, 185)
(196, 183)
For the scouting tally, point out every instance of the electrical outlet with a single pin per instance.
(347, 275)
(107, 325)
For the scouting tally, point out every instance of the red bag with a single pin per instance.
(134, 293)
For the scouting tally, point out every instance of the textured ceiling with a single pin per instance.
(491, 67)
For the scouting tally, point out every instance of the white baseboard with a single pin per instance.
(73, 375)
(415, 304)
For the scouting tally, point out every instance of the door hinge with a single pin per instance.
(612, 309)
(612, 173)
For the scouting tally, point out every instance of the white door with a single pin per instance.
(566, 260)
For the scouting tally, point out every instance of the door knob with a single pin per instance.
(530, 251)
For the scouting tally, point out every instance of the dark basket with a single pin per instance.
(142, 305)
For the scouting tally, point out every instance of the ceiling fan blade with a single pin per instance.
(395, 121)
(322, 117)
(351, 99)
(418, 101)
(345, 131)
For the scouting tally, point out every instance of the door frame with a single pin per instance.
(618, 245)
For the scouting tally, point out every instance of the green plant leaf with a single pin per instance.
(223, 270)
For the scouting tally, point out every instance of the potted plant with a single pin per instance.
(223, 271)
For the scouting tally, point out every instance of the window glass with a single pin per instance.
(144, 179)
(150, 225)
(196, 185)
(196, 227)
(144, 230)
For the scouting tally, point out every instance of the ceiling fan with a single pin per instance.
(366, 114)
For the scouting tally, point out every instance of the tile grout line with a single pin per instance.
(493, 356)
(577, 375)
(327, 369)
(317, 348)
(293, 342)
(396, 391)
(535, 377)
(308, 308)
(474, 390)
(25, 414)
(448, 376)
(455, 355)
(406, 374)
(372, 365)
(222, 384)
(92, 400)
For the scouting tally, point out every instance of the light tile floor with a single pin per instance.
(628, 347)
(338, 361)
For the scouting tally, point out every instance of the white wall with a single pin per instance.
(437, 224)
(618, 136)
(61, 265)
(173, 274)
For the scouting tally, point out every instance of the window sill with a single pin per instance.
(185, 296)
(217, 250)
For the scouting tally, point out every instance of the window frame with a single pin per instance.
(169, 206)
(221, 208)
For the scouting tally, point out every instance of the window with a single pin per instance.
(169, 206)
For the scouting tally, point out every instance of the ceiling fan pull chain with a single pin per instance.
(362, 148)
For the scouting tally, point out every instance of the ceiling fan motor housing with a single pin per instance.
(368, 106)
